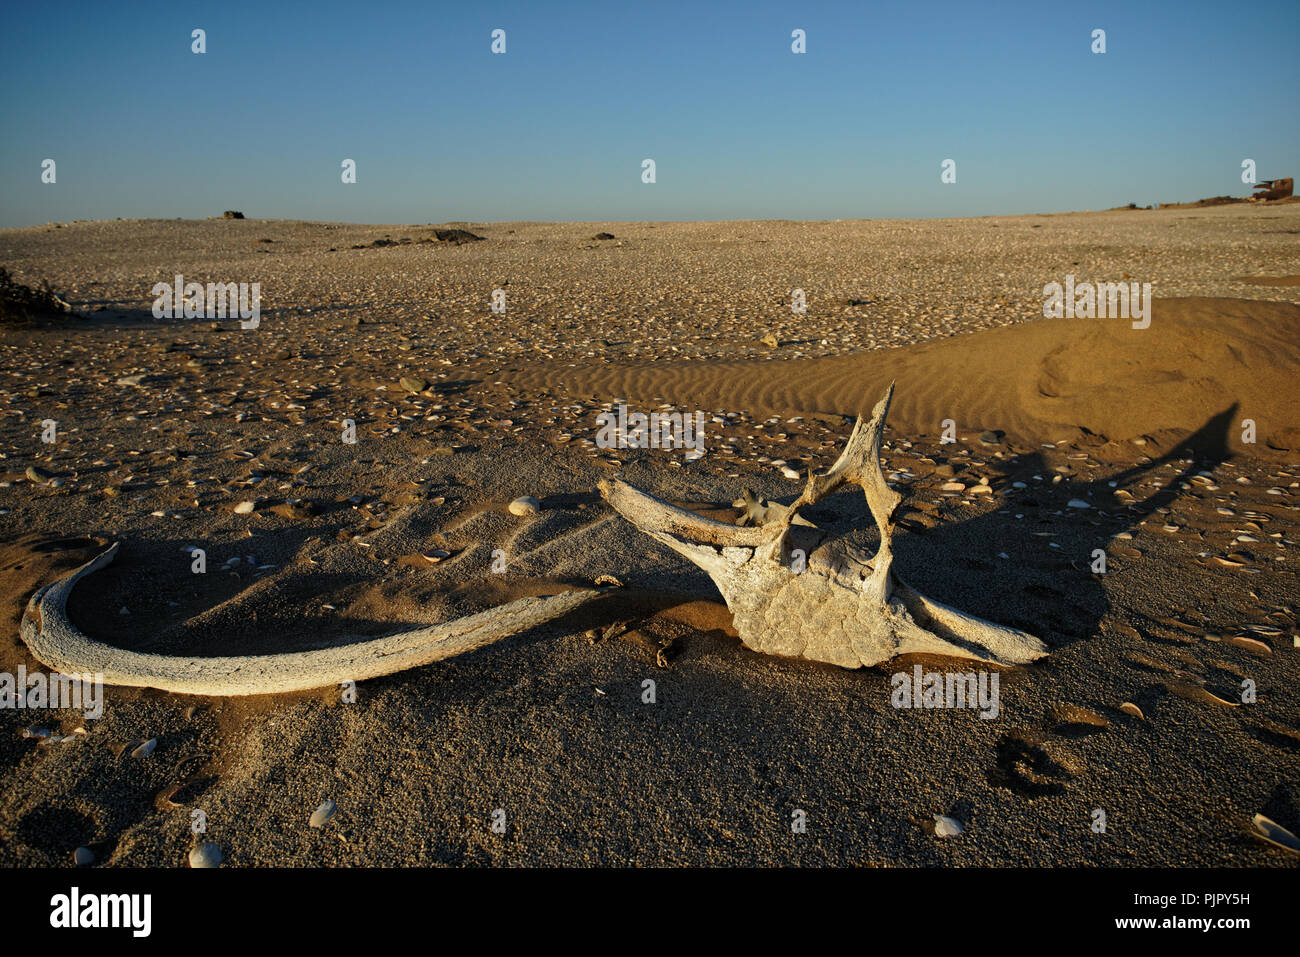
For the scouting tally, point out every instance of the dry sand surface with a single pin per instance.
(166, 426)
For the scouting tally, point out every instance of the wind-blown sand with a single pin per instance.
(1198, 595)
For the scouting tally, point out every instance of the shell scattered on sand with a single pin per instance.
(1250, 644)
(1129, 708)
(945, 826)
(145, 749)
(525, 505)
(1276, 834)
(206, 854)
(323, 814)
(83, 857)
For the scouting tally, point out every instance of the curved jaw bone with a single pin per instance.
(59, 645)
(843, 607)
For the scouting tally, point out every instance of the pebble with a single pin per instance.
(244, 508)
(83, 857)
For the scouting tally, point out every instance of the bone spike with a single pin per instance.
(59, 645)
(844, 608)
(655, 515)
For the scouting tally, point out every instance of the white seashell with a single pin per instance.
(206, 854)
(945, 826)
(244, 508)
(1276, 834)
(525, 505)
(322, 815)
(146, 749)
(1129, 708)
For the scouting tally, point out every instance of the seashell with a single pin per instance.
(1276, 834)
(323, 814)
(945, 826)
(1250, 644)
(1077, 503)
(525, 505)
(146, 749)
(206, 854)
(83, 857)
(244, 508)
(1129, 708)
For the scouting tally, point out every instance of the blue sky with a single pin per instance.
(556, 128)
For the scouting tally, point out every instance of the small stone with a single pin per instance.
(131, 379)
(36, 474)
(603, 236)
(83, 857)
(525, 505)
(953, 487)
(1078, 503)
(770, 340)
(990, 437)
(413, 383)
(244, 508)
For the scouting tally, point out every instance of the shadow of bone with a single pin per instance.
(1049, 592)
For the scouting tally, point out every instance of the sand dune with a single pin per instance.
(1038, 381)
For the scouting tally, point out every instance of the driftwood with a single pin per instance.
(794, 590)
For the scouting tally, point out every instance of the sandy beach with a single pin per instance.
(1067, 436)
